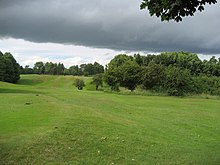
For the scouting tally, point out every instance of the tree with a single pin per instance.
(98, 68)
(66, 72)
(60, 69)
(97, 80)
(52, 68)
(79, 84)
(112, 77)
(130, 75)
(88, 69)
(2, 66)
(75, 70)
(180, 59)
(174, 9)
(26, 70)
(153, 76)
(39, 68)
(9, 68)
(119, 60)
(48, 67)
(91, 69)
(178, 81)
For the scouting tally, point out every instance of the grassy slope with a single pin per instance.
(63, 125)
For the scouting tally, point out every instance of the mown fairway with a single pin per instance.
(46, 120)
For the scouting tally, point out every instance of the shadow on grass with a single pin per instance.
(28, 82)
(21, 91)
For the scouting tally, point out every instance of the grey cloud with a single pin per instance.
(111, 24)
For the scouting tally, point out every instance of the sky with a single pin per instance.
(84, 31)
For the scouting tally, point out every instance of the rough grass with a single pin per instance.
(46, 120)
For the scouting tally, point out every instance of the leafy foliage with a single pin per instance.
(174, 9)
(207, 84)
(176, 73)
(97, 80)
(123, 70)
(90, 69)
(119, 60)
(59, 69)
(178, 81)
(131, 75)
(112, 78)
(26, 70)
(9, 68)
(153, 76)
(39, 68)
(79, 84)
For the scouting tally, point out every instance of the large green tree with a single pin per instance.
(174, 9)
(9, 68)
(114, 73)
(123, 71)
(130, 75)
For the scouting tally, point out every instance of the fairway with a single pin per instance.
(46, 120)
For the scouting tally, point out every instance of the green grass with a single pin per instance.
(46, 120)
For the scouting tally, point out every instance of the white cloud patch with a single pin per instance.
(28, 53)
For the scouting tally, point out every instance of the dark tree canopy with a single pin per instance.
(174, 9)
(123, 70)
(9, 68)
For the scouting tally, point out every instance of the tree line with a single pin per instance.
(10, 70)
(59, 69)
(174, 73)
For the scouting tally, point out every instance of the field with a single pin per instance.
(46, 120)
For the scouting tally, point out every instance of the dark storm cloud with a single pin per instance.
(108, 24)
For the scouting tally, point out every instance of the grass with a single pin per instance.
(46, 120)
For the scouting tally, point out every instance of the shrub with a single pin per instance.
(79, 84)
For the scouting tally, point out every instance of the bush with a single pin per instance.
(79, 84)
